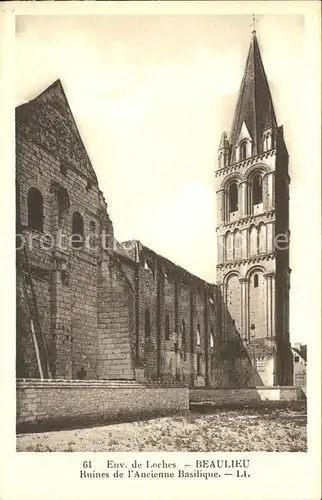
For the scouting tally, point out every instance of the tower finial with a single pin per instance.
(253, 24)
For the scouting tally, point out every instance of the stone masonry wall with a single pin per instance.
(84, 321)
(73, 311)
(178, 303)
(65, 279)
(59, 403)
(148, 302)
(26, 361)
(116, 332)
(246, 395)
(185, 316)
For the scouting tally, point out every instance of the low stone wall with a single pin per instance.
(222, 397)
(50, 404)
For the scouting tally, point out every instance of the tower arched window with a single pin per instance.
(257, 189)
(77, 230)
(198, 335)
(35, 209)
(243, 151)
(233, 197)
(167, 327)
(147, 323)
(255, 280)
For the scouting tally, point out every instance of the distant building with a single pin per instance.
(299, 365)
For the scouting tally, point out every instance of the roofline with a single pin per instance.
(58, 84)
(179, 268)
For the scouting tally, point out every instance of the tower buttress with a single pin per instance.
(223, 151)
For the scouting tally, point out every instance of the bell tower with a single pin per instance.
(252, 186)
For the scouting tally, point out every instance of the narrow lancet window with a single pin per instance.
(257, 190)
(35, 209)
(167, 327)
(77, 230)
(233, 197)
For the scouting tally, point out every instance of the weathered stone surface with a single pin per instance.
(72, 403)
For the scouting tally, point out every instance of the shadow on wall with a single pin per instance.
(251, 361)
(239, 358)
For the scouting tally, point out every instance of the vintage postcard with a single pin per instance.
(162, 322)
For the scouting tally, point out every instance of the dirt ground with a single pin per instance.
(247, 429)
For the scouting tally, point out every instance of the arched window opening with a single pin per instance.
(198, 363)
(183, 333)
(35, 209)
(255, 280)
(198, 334)
(243, 151)
(77, 230)
(257, 190)
(61, 209)
(233, 197)
(147, 323)
(212, 337)
(167, 327)
(148, 266)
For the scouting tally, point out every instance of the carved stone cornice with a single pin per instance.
(251, 260)
(247, 220)
(249, 161)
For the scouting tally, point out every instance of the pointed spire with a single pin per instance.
(253, 24)
(254, 105)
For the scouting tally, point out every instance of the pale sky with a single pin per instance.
(151, 96)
